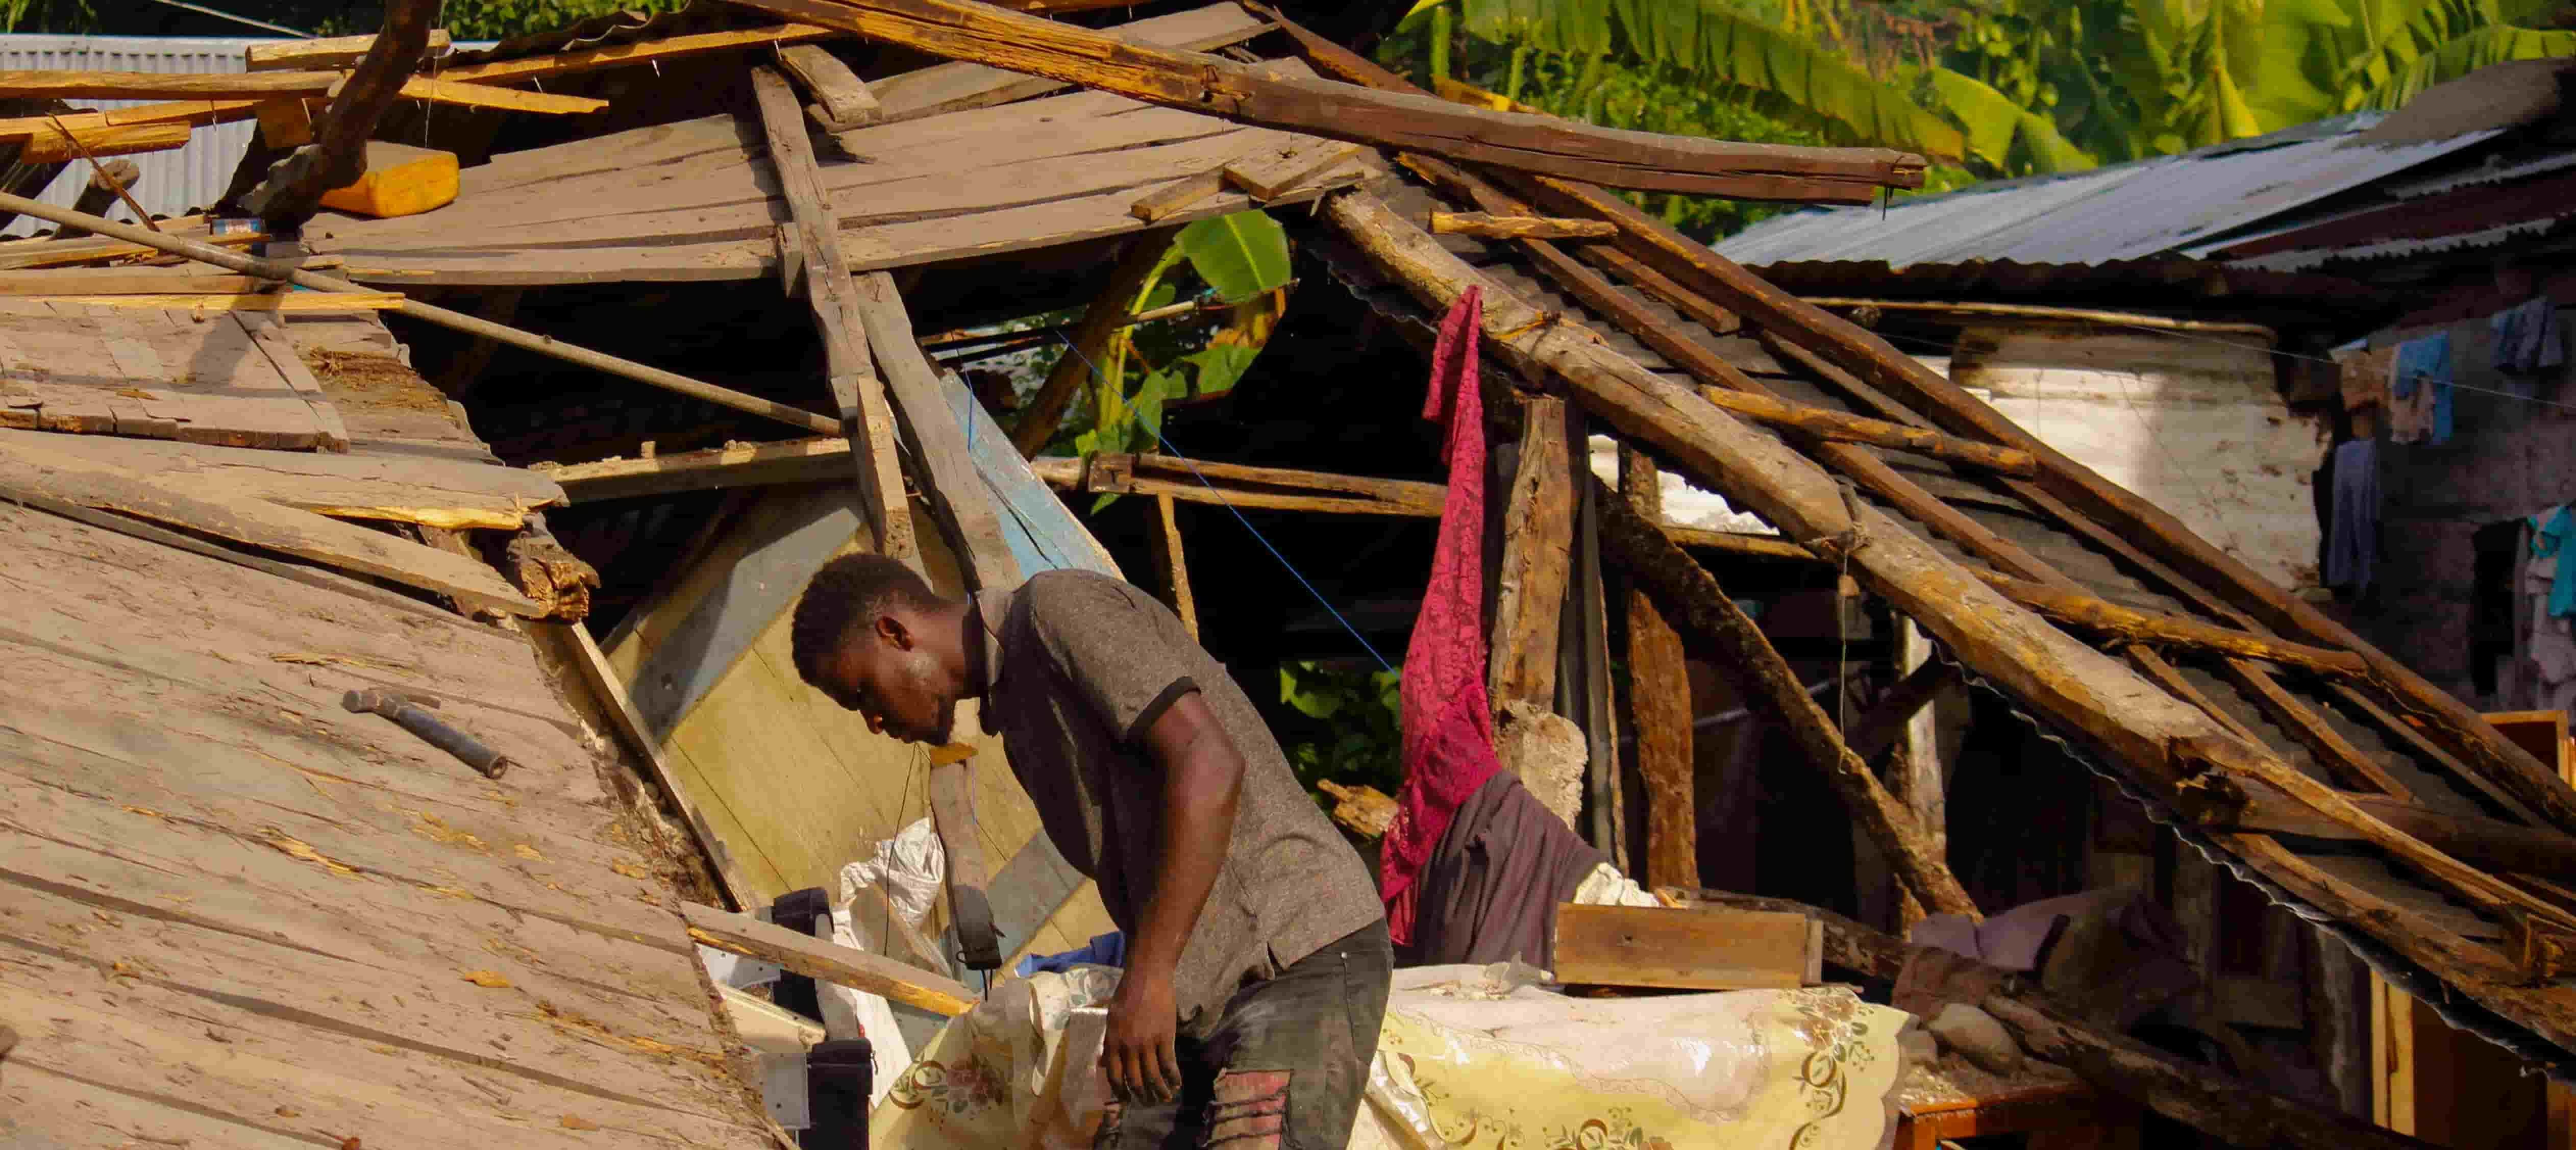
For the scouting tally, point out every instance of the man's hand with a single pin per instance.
(1142, 1061)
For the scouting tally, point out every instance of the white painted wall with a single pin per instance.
(2190, 421)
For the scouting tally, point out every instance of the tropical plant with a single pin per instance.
(1347, 726)
(1237, 261)
(2010, 86)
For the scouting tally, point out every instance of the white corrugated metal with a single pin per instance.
(172, 181)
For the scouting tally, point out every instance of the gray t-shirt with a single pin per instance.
(1076, 667)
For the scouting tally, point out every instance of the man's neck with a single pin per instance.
(962, 625)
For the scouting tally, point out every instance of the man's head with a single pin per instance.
(875, 638)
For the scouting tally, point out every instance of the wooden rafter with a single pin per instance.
(965, 30)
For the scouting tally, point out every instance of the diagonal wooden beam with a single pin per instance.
(337, 156)
(1172, 562)
(1101, 322)
(867, 420)
(1885, 722)
(1688, 593)
(966, 30)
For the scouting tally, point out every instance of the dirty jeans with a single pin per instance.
(1283, 1065)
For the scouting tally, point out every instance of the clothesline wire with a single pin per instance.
(1239, 517)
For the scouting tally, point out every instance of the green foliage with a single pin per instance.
(1348, 726)
(1240, 255)
(502, 19)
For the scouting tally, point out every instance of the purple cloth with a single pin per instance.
(1491, 889)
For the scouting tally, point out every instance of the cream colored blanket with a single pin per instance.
(1470, 1060)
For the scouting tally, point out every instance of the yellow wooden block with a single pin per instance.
(401, 180)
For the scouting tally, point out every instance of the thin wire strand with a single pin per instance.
(1239, 517)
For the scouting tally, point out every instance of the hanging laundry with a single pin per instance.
(1448, 721)
(2352, 546)
(2543, 673)
(2549, 532)
(2527, 339)
(2420, 391)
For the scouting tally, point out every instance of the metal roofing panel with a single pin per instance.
(2126, 211)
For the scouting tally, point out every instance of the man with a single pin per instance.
(1257, 954)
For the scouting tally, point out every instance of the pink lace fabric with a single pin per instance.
(1448, 718)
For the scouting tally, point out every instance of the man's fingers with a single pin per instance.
(1167, 1067)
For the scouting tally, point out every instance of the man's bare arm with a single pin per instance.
(1201, 780)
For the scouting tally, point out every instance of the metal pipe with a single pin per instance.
(526, 341)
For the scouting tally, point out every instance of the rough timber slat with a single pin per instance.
(960, 86)
(425, 491)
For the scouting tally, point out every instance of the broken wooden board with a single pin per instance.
(38, 473)
(206, 304)
(815, 958)
(1690, 949)
(428, 492)
(1271, 173)
(959, 86)
(102, 85)
(151, 372)
(733, 465)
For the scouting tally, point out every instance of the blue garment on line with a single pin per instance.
(1103, 950)
(2548, 531)
(2427, 360)
(2352, 537)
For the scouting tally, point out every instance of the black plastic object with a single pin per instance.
(979, 942)
(839, 1075)
(806, 912)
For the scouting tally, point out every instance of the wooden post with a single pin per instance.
(338, 156)
(1747, 657)
(866, 418)
(1538, 519)
(1101, 321)
(1583, 684)
(1921, 779)
(1659, 706)
(1166, 537)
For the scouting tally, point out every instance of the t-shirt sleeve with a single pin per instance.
(1123, 650)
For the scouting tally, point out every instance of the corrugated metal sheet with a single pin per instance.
(2174, 284)
(2146, 208)
(172, 181)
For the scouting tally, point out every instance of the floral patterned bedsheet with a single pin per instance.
(1471, 1059)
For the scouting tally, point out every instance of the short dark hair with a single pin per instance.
(850, 592)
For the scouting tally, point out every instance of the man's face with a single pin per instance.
(883, 673)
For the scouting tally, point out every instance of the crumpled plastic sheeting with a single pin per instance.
(892, 892)
(907, 872)
(1471, 1057)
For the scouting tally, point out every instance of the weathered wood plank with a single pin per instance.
(963, 30)
(107, 85)
(1270, 173)
(329, 52)
(93, 282)
(37, 473)
(1659, 706)
(1693, 949)
(867, 419)
(630, 54)
(1484, 225)
(1529, 598)
(841, 100)
(432, 492)
(268, 334)
(962, 86)
(733, 465)
(948, 479)
(814, 958)
(1173, 563)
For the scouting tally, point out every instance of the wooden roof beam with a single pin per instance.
(255, 86)
(967, 30)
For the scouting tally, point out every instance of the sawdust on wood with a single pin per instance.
(374, 381)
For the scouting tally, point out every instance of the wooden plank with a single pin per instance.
(329, 52)
(858, 393)
(2334, 752)
(962, 86)
(630, 54)
(2088, 613)
(47, 144)
(268, 334)
(35, 473)
(733, 465)
(1529, 596)
(1102, 320)
(970, 880)
(948, 480)
(1659, 706)
(28, 254)
(160, 412)
(1516, 227)
(1044, 534)
(253, 86)
(293, 301)
(1693, 949)
(1163, 202)
(430, 492)
(1271, 172)
(1172, 563)
(92, 282)
(814, 958)
(960, 29)
(841, 100)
